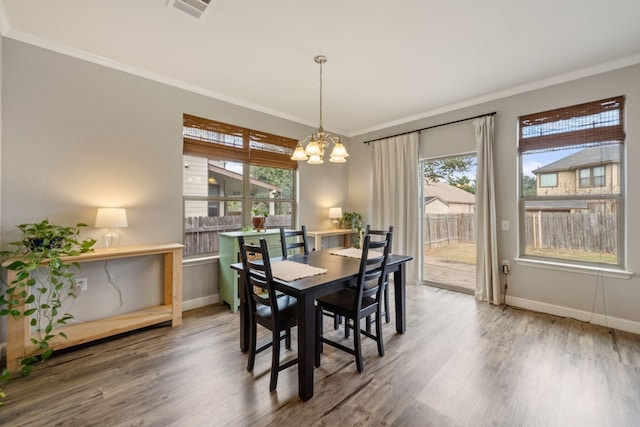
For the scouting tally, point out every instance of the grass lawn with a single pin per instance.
(456, 252)
(466, 253)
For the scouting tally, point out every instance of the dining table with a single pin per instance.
(341, 272)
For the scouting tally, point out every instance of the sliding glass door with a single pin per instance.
(448, 218)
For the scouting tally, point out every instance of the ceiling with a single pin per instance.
(388, 62)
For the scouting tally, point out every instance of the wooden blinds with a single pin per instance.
(592, 123)
(222, 141)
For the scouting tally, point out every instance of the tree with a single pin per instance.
(452, 170)
(528, 185)
(282, 178)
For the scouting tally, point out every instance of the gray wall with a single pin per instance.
(559, 291)
(78, 136)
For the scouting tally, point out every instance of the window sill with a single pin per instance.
(199, 260)
(583, 269)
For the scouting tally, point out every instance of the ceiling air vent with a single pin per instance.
(194, 8)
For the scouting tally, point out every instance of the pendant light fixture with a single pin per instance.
(317, 142)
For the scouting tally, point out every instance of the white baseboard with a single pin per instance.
(581, 315)
(200, 302)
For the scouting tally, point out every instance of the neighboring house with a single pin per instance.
(442, 198)
(206, 178)
(594, 170)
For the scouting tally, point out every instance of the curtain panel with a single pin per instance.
(487, 271)
(395, 195)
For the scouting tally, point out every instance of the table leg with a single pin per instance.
(306, 338)
(399, 278)
(244, 315)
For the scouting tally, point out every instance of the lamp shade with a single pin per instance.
(335, 212)
(111, 218)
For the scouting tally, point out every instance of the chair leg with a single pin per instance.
(356, 345)
(368, 324)
(379, 333)
(387, 313)
(287, 339)
(275, 361)
(252, 346)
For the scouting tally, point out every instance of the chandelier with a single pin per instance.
(317, 142)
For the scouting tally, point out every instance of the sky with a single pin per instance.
(530, 162)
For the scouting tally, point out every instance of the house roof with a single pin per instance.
(388, 62)
(587, 157)
(433, 199)
(238, 177)
(447, 193)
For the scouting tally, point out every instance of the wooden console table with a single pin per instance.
(346, 233)
(19, 330)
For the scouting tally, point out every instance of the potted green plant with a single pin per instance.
(42, 282)
(259, 216)
(353, 221)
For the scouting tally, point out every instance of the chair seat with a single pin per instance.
(341, 303)
(286, 306)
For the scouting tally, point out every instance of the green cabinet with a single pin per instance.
(229, 250)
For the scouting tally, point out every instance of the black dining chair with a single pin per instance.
(274, 312)
(359, 302)
(302, 246)
(299, 243)
(386, 309)
(369, 231)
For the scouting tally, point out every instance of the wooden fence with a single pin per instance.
(201, 233)
(445, 229)
(593, 232)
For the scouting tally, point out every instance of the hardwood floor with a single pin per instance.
(461, 363)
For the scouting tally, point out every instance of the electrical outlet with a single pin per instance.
(82, 284)
(505, 266)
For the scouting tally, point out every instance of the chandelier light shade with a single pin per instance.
(313, 153)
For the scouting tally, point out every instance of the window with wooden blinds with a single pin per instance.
(572, 184)
(222, 141)
(589, 124)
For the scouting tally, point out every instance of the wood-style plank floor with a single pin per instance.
(461, 363)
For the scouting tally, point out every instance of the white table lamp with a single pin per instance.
(111, 218)
(335, 214)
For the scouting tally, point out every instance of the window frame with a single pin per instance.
(592, 176)
(219, 141)
(608, 135)
(554, 174)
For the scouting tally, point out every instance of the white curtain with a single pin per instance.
(395, 195)
(487, 272)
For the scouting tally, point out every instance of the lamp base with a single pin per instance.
(111, 239)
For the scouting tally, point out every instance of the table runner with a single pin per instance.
(354, 253)
(290, 271)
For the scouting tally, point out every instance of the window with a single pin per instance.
(548, 180)
(592, 177)
(229, 170)
(575, 154)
